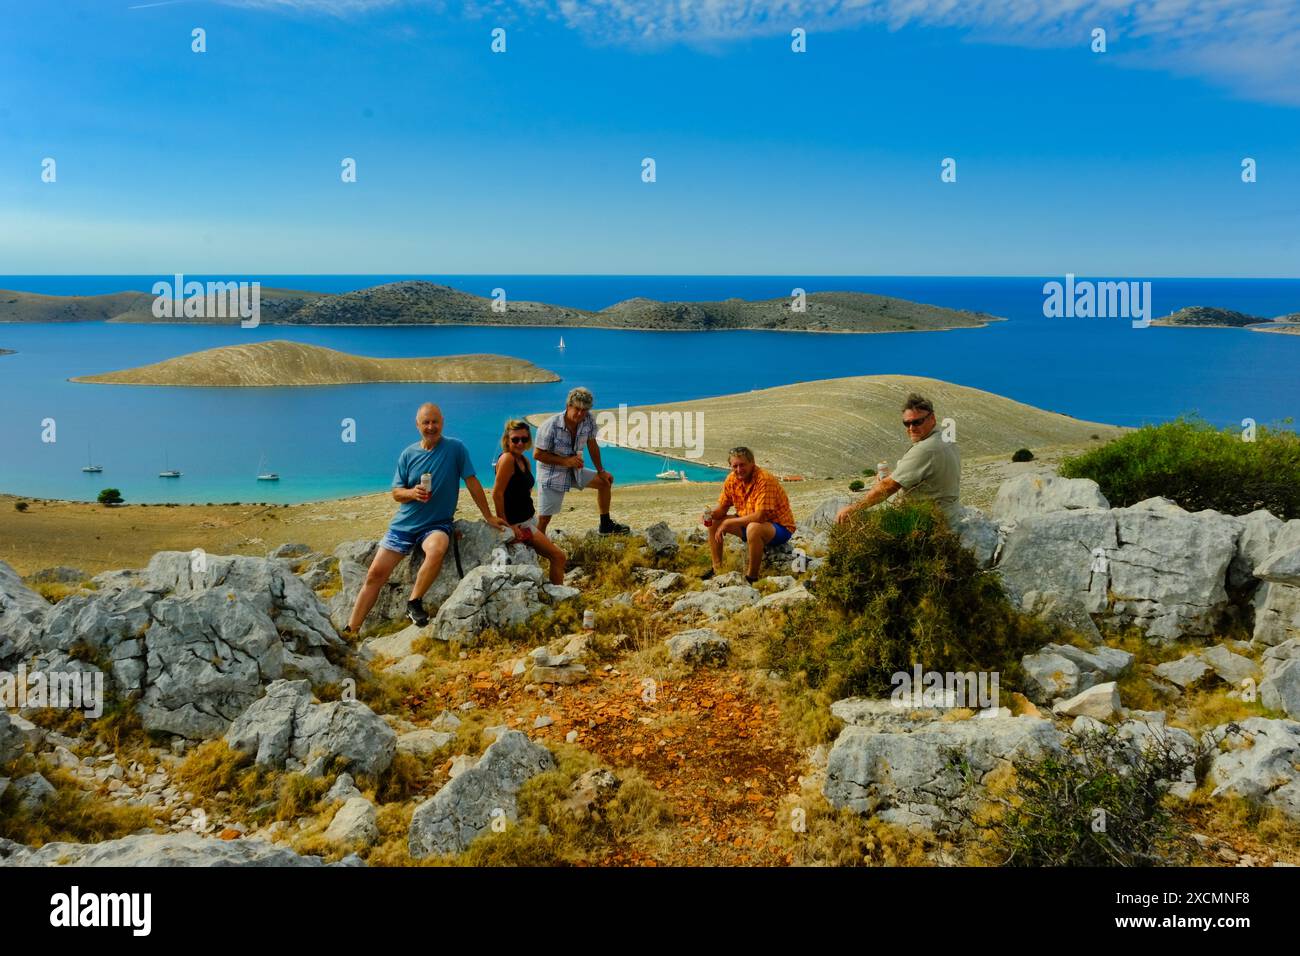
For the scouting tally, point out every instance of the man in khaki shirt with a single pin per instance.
(931, 469)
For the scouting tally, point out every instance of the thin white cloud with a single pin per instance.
(1252, 49)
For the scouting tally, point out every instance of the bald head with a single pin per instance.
(428, 419)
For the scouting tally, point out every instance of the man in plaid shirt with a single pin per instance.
(560, 466)
(763, 517)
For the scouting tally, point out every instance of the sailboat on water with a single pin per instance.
(561, 345)
(670, 474)
(265, 475)
(168, 471)
(91, 468)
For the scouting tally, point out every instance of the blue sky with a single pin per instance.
(768, 162)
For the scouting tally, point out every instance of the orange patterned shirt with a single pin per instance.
(763, 493)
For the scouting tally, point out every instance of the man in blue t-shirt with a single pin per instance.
(425, 519)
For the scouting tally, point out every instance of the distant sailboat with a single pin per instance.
(168, 471)
(561, 345)
(670, 474)
(90, 468)
(265, 475)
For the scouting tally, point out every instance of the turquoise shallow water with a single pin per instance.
(1100, 369)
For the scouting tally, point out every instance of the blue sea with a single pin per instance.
(1098, 369)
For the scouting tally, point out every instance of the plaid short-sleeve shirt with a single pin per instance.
(763, 493)
(554, 437)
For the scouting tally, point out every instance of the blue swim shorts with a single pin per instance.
(781, 537)
(403, 541)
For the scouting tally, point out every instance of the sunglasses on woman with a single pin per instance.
(519, 439)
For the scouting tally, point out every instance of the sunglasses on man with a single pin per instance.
(916, 422)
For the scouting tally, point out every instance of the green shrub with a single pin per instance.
(856, 485)
(1022, 454)
(1099, 802)
(898, 589)
(110, 496)
(1198, 466)
(20, 506)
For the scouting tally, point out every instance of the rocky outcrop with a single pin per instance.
(467, 806)
(1259, 762)
(192, 637)
(1062, 670)
(497, 597)
(1026, 495)
(661, 540)
(1153, 564)
(354, 823)
(903, 775)
(717, 604)
(286, 724)
(477, 543)
(23, 613)
(154, 849)
(206, 656)
(699, 645)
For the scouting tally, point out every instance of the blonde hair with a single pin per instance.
(513, 425)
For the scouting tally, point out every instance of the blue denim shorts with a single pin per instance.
(403, 541)
(781, 536)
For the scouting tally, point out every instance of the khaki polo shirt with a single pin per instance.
(931, 469)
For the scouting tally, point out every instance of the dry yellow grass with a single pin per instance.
(840, 426)
(279, 363)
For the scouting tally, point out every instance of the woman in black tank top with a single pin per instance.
(512, 495)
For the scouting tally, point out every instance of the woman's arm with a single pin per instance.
(505, 465)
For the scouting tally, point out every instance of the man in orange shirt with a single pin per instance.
(763, 517)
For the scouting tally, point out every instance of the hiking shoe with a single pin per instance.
(613, 527)
(707, 574)
(751, 580)
(416, 612)
(349, 635)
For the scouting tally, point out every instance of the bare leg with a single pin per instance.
(604, 492)
(542, 522)
(435, 548)
(757, 535)
(715, 544)
(552, 553)
(380, 568)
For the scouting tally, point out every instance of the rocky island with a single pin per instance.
(415, 302)
(280, 363)
(1208, 317)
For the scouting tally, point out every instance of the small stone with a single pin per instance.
(543, 721)
(1100, 702)
(571, 737)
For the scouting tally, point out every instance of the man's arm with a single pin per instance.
(401, 493)
(476, 492)
(882, 489)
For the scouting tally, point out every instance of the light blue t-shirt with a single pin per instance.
(449, 463)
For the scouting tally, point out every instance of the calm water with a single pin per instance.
(1099, 369)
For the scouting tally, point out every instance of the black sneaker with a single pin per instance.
(751, 580)
(707, 574)
(613, 527)
(416, 612)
